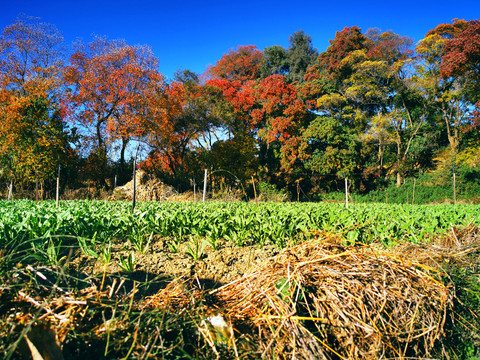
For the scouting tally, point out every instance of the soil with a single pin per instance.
(212, 267)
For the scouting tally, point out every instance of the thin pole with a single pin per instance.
(36, 186)
(194, 190)
(254, 189)
(346, 192)
(134, 179)
(57, 195)
(205, 184)
(454, 187)
(10, 190)
(298, 190)
(413, 196)
(134, 183)
(115, 182)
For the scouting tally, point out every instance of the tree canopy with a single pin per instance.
(372, 106)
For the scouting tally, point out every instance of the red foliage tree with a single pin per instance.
(345, 41)
(112, 89)
(462, 54)
(462, 58)
(242, 64)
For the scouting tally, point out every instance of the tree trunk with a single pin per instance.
(102, 153)
(122, 152)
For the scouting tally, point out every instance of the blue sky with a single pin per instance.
(193, 34)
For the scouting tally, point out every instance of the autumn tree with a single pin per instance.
(462, 59)
(189, 125)
(383, 82)
(330, 143)
(443, 93)
(37, 140)
(33, 136)
(111, 85)
(328, 72)
(367, 87)
(269, 112)
(242, 64)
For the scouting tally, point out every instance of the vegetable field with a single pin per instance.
(241, 223)
(92, 264)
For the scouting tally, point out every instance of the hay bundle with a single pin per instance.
(148, 189)
(322, 300)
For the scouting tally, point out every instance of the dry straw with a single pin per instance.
(323, 300)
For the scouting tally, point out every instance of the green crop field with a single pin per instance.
(239, 222)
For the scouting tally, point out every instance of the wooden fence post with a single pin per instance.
(10, 191)
(36, 186)
(194, 190)
(134, 184)
(454, 187)
(413, 195)
(205, 184)
(346, 192)
(254, 189)
(57, 195)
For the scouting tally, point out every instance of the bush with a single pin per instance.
(269, 192)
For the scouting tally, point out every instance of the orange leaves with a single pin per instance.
(269, 106)
(114, 87)
(281, 108)
(242, 64)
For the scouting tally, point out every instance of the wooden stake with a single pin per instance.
(135, 179)
(454, 187)
(205, 184)
(194, 190)
(346, 192)
(57, 197)
(254, 189)
(134, 184)
(298, 190)
(36, 186)
(10, 191)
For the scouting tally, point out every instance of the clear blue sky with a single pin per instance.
(192, 34)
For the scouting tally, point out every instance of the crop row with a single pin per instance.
(239, 222)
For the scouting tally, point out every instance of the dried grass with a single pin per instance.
(323, 300)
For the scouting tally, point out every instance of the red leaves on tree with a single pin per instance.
(462, 52)
(269, 106)
(112, 87)
(388, 46)
(449, 31)
(242, 64)
(346, 41)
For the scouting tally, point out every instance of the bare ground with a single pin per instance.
(213, 267)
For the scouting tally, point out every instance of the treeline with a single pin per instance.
(373, 107)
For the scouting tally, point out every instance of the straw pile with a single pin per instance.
(322, 300)
(147, 189)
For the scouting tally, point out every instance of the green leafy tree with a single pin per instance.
(300, 55)
(274, 61)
